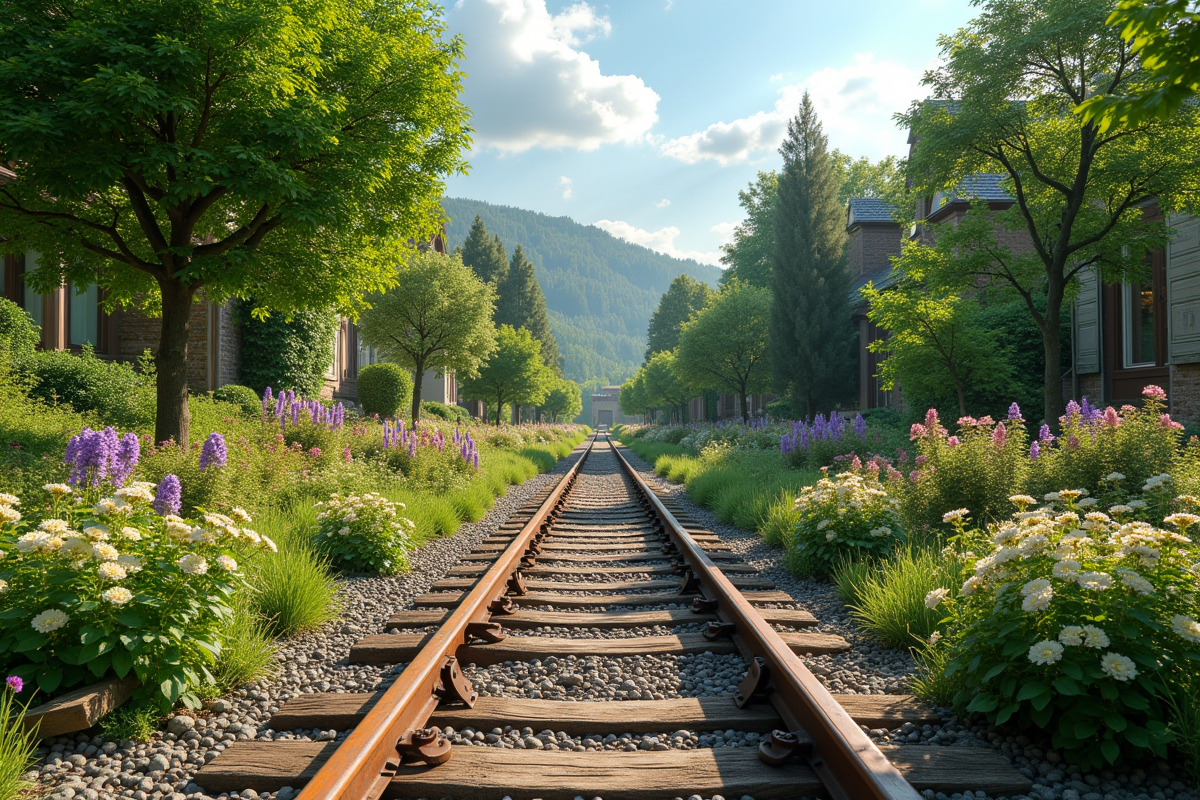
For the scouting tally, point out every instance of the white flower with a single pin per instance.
(54, 526)
(117, 595)
(193, 564)
(935, 598)
(935, 637)
(956, 514)
(1022, 500)
(104, 552)
(269, 545)
(1035, 586)
(1136, 582)
(345, 531)
(1119, 509)
(1096, 581)
(1135, 504)
(49, 620)
(136, 493)
(252, 536)
(1094, 638)
(58, 489)
(3, 586)
(823, 524)
(7, 499)
(131, 534)
(97, 533)
(1195, 569)
(1118, 667)
(1067, 569)
(1046, 652)
(226, 563)
(1051, 497)
(1114, 476)
(112, 571)
(8, 514)
(1038, 601)
(34, 540)
(1181, 520)
(241, 516)
(1186, 627)
(201, 536)
(1032, 544)
(1072, 636)
(1087, 502)
(969, 586)
(130, 563)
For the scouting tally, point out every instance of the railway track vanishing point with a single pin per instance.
(562, 561)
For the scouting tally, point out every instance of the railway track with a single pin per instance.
(600, 555)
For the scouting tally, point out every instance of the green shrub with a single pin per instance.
(443, 411)
(849, 517)
(18, 335)
(286, 353)
(16, 747)
(114, 391)
(136, 722)
(243, 397)
(363, 534)
(887, 597)
(384, 389)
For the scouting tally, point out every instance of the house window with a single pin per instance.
(31, 299)
(84, 319)
(1139, 319)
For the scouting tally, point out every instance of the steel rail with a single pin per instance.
(362, 766)
(843, 757)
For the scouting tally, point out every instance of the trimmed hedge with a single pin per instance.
(243, 397)
(384, 389)
(286, 354)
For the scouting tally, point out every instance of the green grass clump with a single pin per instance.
(779, 522)
(1184, 704)
(293, 590)
(889, 599)
(931, 683)
(247, 652)
(135, 722)
(16, 747)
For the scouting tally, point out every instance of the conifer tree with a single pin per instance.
(523, 305)
(485, 254)
(810, 332)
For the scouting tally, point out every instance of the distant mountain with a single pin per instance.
(600, 290)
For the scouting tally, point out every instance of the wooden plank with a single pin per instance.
(650, 569)
(80, 709)
(329, 710)
(485, 773)
(452, 599)
(394, 648)
(447, 584)
(525, 619)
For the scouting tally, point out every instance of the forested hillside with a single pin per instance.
(600, 290)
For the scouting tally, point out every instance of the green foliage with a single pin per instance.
(247, 652)
(17, 747)
(118, 395)
(384, 389)
(363, 534)
(292, 592)
(515, 372)
(443, 411)
(1184, 704)
(1165, 35)
(664, 389)
(888, 596)
(484, 254)
(749, 257)
(564, 402)
(861, 178)
(811, 338)
(243, 397)
(521, 304)
(724, 347)
(286, 353)
(683, 300)
(437, 316)
(846, 518)
(134, 721)
(18, 335)
(600, 290)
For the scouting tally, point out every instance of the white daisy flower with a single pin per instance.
(104, 552)
(50, 620)
(1094, 637)
(193, 564)
(1046, 652)
(241, 516)
(112, 571)
(1136, 582)
(226, 563)
(58, 489)
(1118, 667)
(935, 598)
(1186, 627)
(117, 595)
(131, 534)
(1096, 581)
(956, 514)
(1071, 635)
(9, 515)
(1066, 569)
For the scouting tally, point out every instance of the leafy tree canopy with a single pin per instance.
(664, 388)
(284, 152)
(564, 401)
(438, 315)
(484, 254)
(749, 256)
(513, 374)
(682, 300)
(633, 395)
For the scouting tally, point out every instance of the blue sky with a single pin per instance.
(646, 117)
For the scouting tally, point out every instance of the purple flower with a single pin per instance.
(1034, 451)
(1044, 434)
(860, 427)
(213, 454)
(168, 496)
(1014, 411)
(346, 455)
(15, 683)
(1074, 408)
(91, 455)
(128, 452)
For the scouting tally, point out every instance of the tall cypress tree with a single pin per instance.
(811, 337)
(523, 305)
(484, 254)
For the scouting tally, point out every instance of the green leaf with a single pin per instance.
(122, 662)
(994, 671)
(1031, 690)
(1072, 670)
(1068, 686)
(1115, 720)
(1042, 716)
(983, 703)
(1134, 700)
(1085, 730)
(50, 679)
(1111, 751)
(1006, 713)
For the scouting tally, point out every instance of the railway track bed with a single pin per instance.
(593, 571)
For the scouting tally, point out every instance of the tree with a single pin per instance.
(438, 315)
(935, 345)
(663, 386)
(750, 255)
(565, 400)
(514, 373)
(860, 178)
(485, 254)
(1078, 192)
(1165, 34)
(679, 303)
(255, 149)
(811, 335)
(724, 347)
(632, 399)
(522, 305)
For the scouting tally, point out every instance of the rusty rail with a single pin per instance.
(846, 761)
(362, 766)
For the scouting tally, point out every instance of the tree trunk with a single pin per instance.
(170, 362)
(1052, 345)
(418, 380)
(499, 405)
(745, 407)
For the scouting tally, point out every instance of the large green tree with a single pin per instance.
(485, 254)
(564, 401)
(1009, 83)
(522, 305)
(683, 298)
(724, 347)
(752, 252)
(514, 373)
(632, 399)
(811, 336)
(664, 388)
(861, 177)
(280, 151)
(438, 315)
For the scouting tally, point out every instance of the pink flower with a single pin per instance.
(952, 441)
(912, 476)
(920, 460)
(917, 431)
(315, 452)
(966, 421)
(15, 683)
(1154, 392)
(856, 463)
(999, 435)
(893, 474)
(1073, 442)
(986, 420)
(1111, 418)
(873, 467)
(1127, 409)
(1165, 421)
(346, 455)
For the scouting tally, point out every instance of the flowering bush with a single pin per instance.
(105, 585)
(364, 533)
(845, 518)
(1079, 622)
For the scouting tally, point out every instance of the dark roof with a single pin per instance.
(868, 209)
(983, 187)
(881, 278)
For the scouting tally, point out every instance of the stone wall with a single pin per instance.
(229, 339)
(136, 332)
(1184, 393)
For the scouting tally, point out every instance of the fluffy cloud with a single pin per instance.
(564, 183)
(663, 203)
(529, 85)
(854, 103)
(663, 239)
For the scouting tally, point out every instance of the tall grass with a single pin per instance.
(16, 747)
(293, 590)
(247, 652)
(1184, 703)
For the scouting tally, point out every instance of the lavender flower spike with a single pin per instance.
(1014, 411)
(126, 458)
(213, 453)
(168, 496)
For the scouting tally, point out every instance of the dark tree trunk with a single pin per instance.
(418, 380)
(1052, 345)
(172, 419)
(745, 407)
(499, 405)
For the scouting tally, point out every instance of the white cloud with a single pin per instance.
(854, 103)
(724, 230)
(778, 76)
(529, 86)
(564, 183)
(663, 203)
(661, 240)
